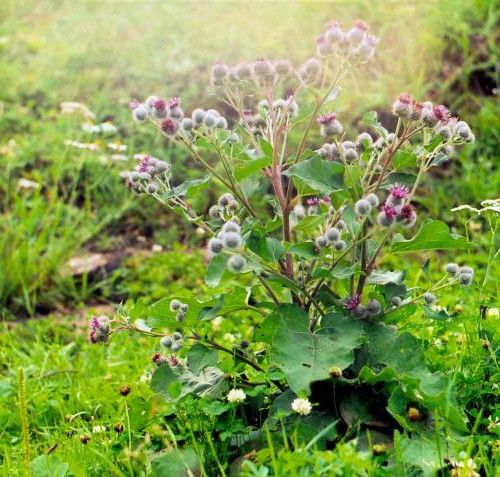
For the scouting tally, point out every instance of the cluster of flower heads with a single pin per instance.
(100, 327)
(170, 118)
(172, 342)
(333, 237)
(463, 274)
(371, 309)
(228, 239)
(150, 176)
(261, 71)
(180, 309)
(396, 208)
(356, 42)
(432, 115)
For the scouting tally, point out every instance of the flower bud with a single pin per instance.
(263, 68)
(210, 119)
(396, 301)
(429, 298)
(175, 305)
(350, 155)
(451, 268)
(332, 234)
(373, 308)
(362, 207)
(321, 241)
(407, 216)
(310, 70)
(283, 67)
(465, 278)
(236, 263)
(243, 71)
(323, 46)
(339, 245)
(176, 346)
(184, 307)
(364, 141)
(177, 336)
(231, 226)
(187, 124)
(335, 372)
(335, 34)
(357, 33)
(140, 113)
(373, 199)
(366, 49)
(219, 70)
(225, 199)
(428, 117)
(299, 211)
(340, 225)
(231, 240)
(152, 188)
(221, 123)
(198, 115)
(166, 341)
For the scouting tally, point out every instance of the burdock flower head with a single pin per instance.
(387, 215)
(407, 215)
(404, 106)
(329, 125)
(169, 126)
(99, 329)
(310, 70)
(352, 303)
(397, 193)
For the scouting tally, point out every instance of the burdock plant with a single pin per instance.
(307, 214)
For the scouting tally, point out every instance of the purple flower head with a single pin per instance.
(399, 191)
(144, 164)
(327, 118)
(99, 328)
(313, 201)
(361, 25)
(169, 126)
(321, 40)
(441, 112)
(407, 212)
(389, 211)
(133, 104)
(406, 98)
(174, 102)
(160, 104)
(352, 303)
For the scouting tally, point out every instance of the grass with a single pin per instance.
(55, 391)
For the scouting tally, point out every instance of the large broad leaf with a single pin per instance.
(305, 357)
(48, 466)
(186, 188)
(178, 462)
(431, 236)
(215, 270)
(200, 357)
(251, 166)
(323, 176)
(175, 383)
(267, 248)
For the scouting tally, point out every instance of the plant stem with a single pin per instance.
(23, 409)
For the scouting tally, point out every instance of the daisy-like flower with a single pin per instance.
(302, 406)
(236, 396)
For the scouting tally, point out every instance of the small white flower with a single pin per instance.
(99, 429)
(236, 395)
(302, 406)
(119, 157)
(27, 184)
(156, 248)
(117, 147)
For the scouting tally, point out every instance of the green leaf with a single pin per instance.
(305, 357)
(370, 118)
(215, 270)
(323, 176)
(404, 178)
(404, 159)
(310, 223)
(178, 462)
(186, 188)
(383, 277)
(267, 248)
(48, 466)
(250, 167)
(199, 357)
(306, 250)
(432, 235)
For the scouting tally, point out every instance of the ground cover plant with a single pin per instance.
(77, 243)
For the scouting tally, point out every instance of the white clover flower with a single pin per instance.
(99, 429)
(302, 406)
(236, 396)
(27, 184)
